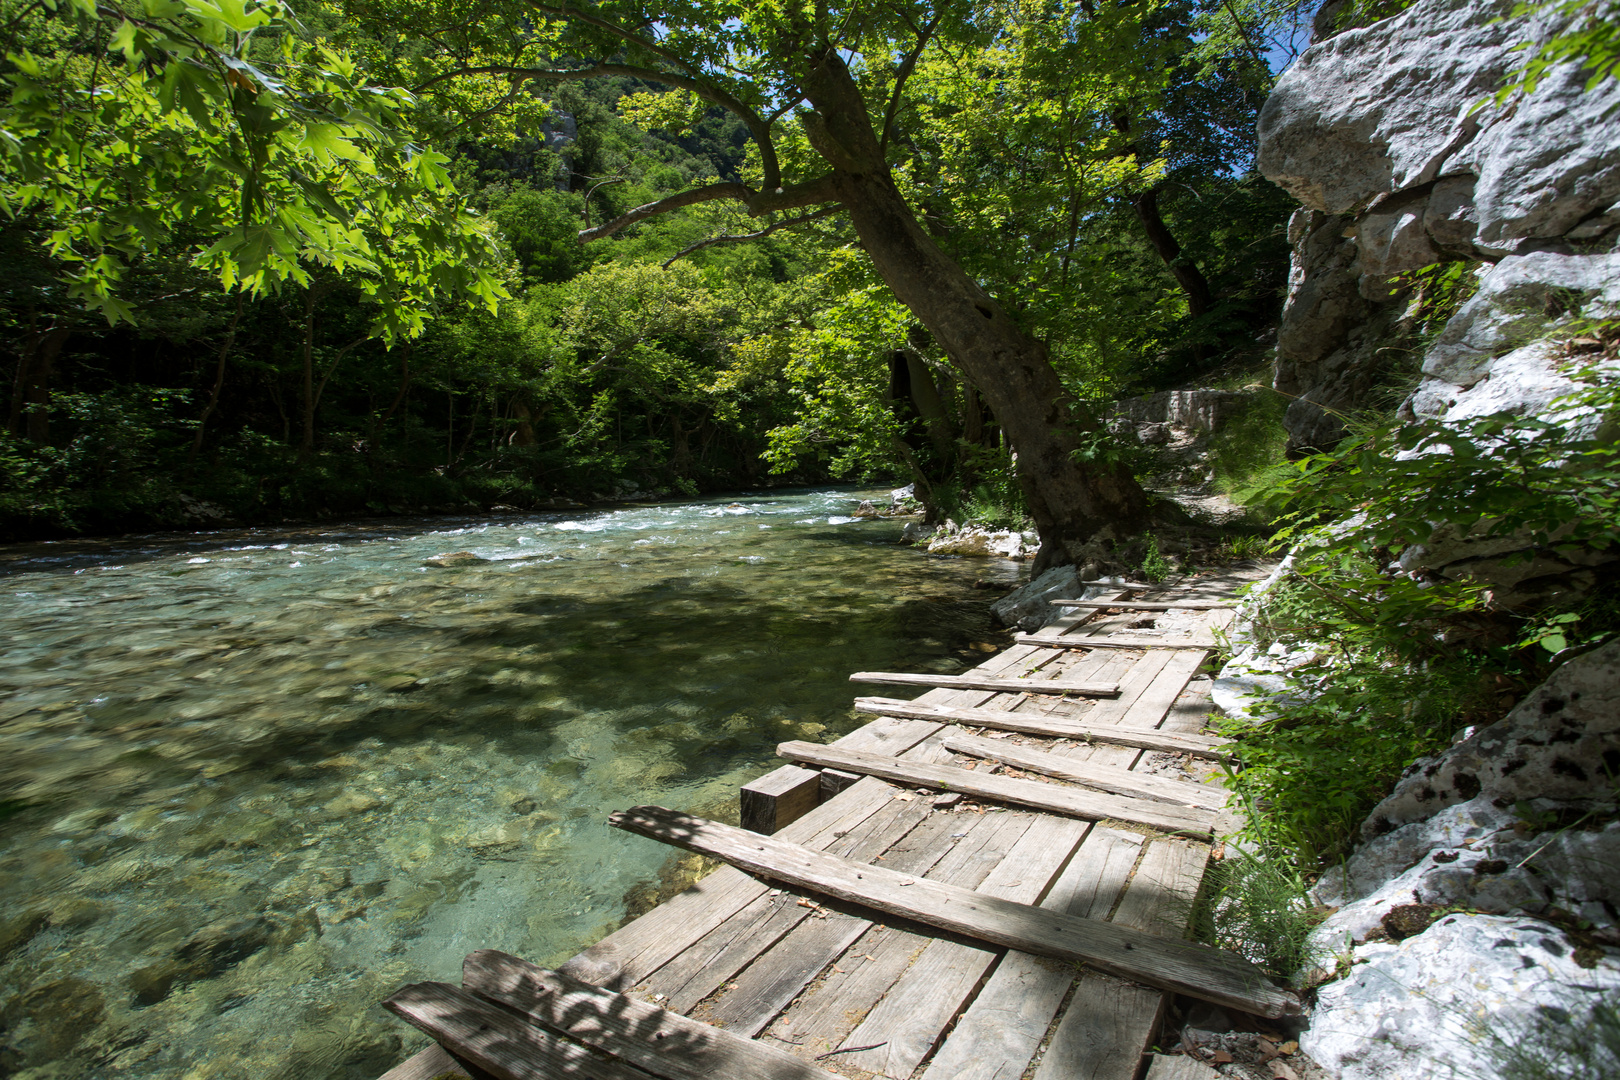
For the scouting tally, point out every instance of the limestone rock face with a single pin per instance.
(1512, 308)
(1460, 999)
(1558, 743)
(1391, 108)
(1380, 135)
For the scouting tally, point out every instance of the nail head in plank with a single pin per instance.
(1200, 971)
(1053, 798)
(779, 798)
(498, 1041)
(657, 1040)
(976, 682)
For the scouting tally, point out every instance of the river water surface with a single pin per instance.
(251, 783)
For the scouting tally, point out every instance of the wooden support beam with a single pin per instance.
(974, 682)
(663, 1043)
(779, 798)
(1149, 605)
(1049, 726)
(1101, 777)
(1112, 641)
(1053, 798)
(1133, 585)
(1183, 967)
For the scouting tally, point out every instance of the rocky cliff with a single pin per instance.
(1477, 927)
(1388, 138)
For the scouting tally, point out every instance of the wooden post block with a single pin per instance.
(835, 780)
(780, 798)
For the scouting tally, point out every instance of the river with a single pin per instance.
(253, 782)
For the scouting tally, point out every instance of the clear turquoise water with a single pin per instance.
(257, 781)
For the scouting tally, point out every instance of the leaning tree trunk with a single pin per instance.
(1072, 501)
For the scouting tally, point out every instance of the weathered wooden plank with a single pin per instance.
(779, 798)
(429, 1063)
(1184, 967)
(838, 1003)
(772, 981)
(498, 1041)
(700, 969)
(1054, 798)
(1149, 605)
(629, 954)
(1160, 896)
(1112, 641)
(978, 682)
(662, 1042)
(909, 1020)
(1145, 704)
(1101, 777)
(1178, 1067)
(1050, 727)
(997, 1036)
(1110, 1025)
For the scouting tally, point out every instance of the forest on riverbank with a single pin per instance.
(251, 279)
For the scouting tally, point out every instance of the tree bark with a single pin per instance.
(1071, 501)
(219, 380)
(1188, 276)
(31, 393)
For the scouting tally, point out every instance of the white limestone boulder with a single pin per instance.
(1469, 996)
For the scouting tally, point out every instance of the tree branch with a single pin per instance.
(758, 202)
(902, 73)
(743, 238)
(757, 126)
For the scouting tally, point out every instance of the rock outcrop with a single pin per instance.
(1481, 913)
(1388, 137)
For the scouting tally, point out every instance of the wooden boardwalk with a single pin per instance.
(844, 989)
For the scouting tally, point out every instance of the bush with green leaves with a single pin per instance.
(1405, 658)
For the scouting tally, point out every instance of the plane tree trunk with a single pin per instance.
(1071, 500)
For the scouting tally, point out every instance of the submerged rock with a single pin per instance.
(454, 558)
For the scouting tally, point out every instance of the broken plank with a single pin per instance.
(1102, 777)
(1149, 605)
(656, 1040)
(1112, 641)
(976, 682)
(779, 798)
(1055, 727)
(498, 1041)
(1075, 802)
(1183, 967)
